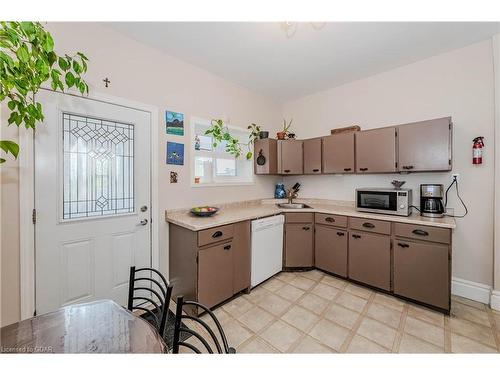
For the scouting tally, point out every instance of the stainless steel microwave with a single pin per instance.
(384, 201)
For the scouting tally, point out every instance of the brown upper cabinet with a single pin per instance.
(265, 159)
(312, 156)
(425, 145)
(338, 153)
(376, 151)
(290, 157)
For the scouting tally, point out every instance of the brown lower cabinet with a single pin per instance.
(211, 265)
(421, 272)
(370, 259)
(299, 242)
(215, 274)
(330, 249)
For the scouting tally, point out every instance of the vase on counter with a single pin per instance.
(279, 191)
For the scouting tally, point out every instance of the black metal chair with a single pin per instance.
(154, 300)
(179, 328)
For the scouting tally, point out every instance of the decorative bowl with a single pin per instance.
(204, 211)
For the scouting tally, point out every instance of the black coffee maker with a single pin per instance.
(431, 200)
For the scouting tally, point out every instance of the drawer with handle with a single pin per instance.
(299, 217)
(216, 234)
(423, 232)
(333, 220)
(369, 225)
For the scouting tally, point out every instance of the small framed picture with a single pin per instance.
(175, 153)
(173, 177)
(174, 123)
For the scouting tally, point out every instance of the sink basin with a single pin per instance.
(292, 205)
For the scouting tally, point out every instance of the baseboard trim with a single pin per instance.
(472, 290)
(495, 300)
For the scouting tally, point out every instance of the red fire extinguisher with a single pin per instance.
(477, 150)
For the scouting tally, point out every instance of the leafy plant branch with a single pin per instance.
(27, 61)
(286, 126)
(220, 133)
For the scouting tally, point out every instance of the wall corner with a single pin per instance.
(496, 219)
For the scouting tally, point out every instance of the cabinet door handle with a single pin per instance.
(347, 169)
(315, 170)
(227, 247)
(340, 234)
(404, 245)
(420, 232)
(306, 228)
(363, 169)
(287, 170)
(369, 225)
(217, 234)
(356, 236)
(330, 219)
(407, 166)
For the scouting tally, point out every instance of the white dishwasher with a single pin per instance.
(267, 248)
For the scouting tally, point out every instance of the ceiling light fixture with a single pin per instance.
(290, 28)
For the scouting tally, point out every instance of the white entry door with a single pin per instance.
(92, 199)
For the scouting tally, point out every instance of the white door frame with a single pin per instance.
(27, 195)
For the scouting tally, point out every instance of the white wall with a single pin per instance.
(457, 84)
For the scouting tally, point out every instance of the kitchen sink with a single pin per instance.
(292, 205)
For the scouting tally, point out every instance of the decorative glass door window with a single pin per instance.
(98, 167)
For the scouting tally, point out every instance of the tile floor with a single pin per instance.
(312, 312)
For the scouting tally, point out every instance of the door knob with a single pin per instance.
(144, 208)
(143, 222)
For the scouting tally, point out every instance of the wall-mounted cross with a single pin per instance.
(106, 81)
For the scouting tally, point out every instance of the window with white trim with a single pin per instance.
(212, 166)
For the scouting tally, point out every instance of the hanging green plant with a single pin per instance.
(220, 133)
(28, 60)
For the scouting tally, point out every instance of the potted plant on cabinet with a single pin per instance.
(282, 134)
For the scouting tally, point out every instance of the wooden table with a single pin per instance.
(95, 327)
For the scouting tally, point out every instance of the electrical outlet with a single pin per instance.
(455, 176)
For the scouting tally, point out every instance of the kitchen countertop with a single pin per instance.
(249, 210)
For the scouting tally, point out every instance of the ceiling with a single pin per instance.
(260, 56)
